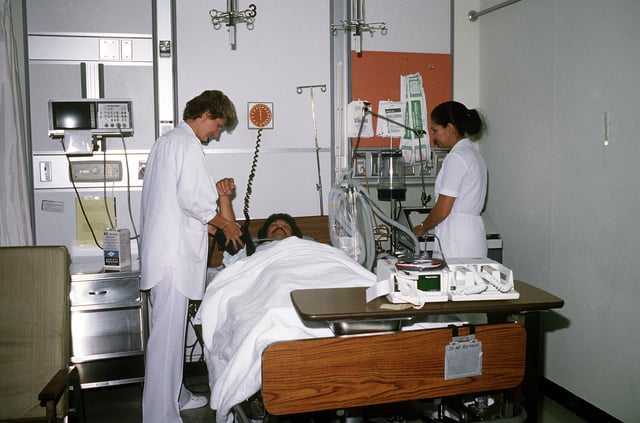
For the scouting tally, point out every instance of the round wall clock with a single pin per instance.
(260, 115)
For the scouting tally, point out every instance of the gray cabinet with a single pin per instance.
(108, 328)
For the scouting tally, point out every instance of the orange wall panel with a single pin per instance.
(375, 76)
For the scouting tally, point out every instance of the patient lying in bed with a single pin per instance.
(247, 307)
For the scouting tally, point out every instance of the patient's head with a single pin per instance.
(278, 226)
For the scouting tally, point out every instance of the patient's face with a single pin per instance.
(279, 229)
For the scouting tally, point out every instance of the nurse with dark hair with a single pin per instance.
(461, 185)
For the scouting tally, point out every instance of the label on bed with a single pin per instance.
(463, 359)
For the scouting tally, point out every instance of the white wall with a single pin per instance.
(466, 51)
(282, 52)
(566, 204)
(413, 26)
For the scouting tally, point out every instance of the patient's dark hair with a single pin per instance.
(262, 232)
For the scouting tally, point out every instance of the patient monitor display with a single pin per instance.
(101, 117)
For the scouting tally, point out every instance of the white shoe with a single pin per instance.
(196, 401)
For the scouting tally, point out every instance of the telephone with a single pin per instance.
(476, 279)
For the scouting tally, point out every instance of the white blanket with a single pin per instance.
(248, 306)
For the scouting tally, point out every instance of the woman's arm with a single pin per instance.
(438, 213)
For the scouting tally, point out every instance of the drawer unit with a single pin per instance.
(107, 291)
(108, 328)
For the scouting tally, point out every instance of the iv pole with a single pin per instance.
(323, 88)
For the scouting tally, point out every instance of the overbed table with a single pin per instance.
(335, 305)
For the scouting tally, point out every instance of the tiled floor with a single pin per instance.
(122, 404)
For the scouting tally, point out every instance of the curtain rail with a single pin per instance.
(473, 15)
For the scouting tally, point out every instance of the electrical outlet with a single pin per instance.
(126, 50)
(45, 171)
(142, 166)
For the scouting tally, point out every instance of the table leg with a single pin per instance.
(531, 383)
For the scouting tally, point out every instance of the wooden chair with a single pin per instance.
(35, 336)
(354, 371)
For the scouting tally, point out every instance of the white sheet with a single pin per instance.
(247, 307)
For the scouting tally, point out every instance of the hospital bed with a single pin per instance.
(290, 353)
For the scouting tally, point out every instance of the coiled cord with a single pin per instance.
(496, 283)
(252, 174)
(478, 287)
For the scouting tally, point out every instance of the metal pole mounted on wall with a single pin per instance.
(473, 15)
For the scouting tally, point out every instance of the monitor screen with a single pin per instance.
(73, 115)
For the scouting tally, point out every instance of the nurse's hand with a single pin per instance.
(233, 234)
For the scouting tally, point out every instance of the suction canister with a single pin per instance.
(391, 182)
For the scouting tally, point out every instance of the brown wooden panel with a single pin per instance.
(343, 372)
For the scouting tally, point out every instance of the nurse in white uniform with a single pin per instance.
(461, 185)
(178, 209)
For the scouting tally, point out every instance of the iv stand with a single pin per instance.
(323, 88)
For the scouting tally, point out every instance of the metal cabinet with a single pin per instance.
(108, 328)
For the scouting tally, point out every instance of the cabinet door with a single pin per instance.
(105, 333)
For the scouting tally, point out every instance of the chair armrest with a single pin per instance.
(56, 386)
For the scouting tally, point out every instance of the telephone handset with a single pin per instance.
(480, 279)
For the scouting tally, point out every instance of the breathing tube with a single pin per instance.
(351, 211)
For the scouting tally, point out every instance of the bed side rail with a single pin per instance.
(343, 372)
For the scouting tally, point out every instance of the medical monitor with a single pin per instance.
(73, 115)
(100, 116)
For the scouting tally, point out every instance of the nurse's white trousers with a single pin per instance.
(165, 353)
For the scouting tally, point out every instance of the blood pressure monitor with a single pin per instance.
(260, 115)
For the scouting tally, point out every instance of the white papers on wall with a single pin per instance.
(359, 122)
(415, 143)
(390, 112)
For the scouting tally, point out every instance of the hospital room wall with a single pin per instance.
(269, 63)
(282, 52)
(566, 203)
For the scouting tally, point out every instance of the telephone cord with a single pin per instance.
(496, 283)
(478, 287)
